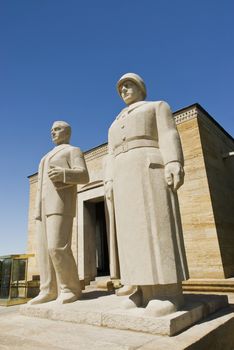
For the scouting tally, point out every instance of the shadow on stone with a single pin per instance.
(95, 294)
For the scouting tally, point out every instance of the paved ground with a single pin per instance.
(28, 333)
(9, 310)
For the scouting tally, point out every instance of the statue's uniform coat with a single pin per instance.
(141, 141)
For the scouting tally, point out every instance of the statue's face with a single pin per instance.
(59, 134)
(130, 92)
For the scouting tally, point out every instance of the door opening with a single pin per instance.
(102, 255)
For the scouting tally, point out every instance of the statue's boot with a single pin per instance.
(42, 298)
(125, 290)
(157, 308)
(67, 297)
(161, 300)
(133, 300)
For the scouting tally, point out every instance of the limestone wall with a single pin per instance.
(201, 244)
(31, 244)
(220, 175)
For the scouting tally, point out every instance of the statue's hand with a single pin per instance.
(174, 174)
(56, 174)
(108, 188)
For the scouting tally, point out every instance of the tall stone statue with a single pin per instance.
(143, 172)
(60, 171)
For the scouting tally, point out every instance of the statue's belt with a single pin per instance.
(127, 145)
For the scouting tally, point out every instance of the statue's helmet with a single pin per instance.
(134, 78)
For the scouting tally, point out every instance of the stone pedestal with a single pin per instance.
(99, 308)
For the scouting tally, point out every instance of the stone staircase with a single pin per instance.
(103, 283)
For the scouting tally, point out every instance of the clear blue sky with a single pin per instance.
(60, 59)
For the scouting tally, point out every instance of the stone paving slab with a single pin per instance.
(104, 310)
(18, 332)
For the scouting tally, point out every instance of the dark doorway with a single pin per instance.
(102, 255)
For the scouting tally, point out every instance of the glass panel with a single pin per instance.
(18, 282)
(0, 275)
(19, 269)
(5, 278)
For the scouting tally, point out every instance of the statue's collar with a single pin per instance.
(56, 149)
(130, 108)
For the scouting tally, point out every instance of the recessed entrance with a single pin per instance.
(102, 256)
(96, 256)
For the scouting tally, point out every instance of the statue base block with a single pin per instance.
(99, 308)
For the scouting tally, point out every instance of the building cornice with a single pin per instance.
(197, 111)
(185, 114)
(33, 178)
(96, 152)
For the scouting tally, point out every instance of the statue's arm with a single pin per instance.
(77, 173)
(37, 212)
(108, 166)
(170, 146)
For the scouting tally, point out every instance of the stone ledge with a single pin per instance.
(209, 285)
(102, 309)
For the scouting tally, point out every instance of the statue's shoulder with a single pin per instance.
(45, 156)
(120, 114)
(162, 108)
(66, 148)
(76, 150)
(71, 147)
(160, 104)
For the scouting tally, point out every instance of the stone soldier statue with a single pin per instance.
(144, 170)
(60, 171)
